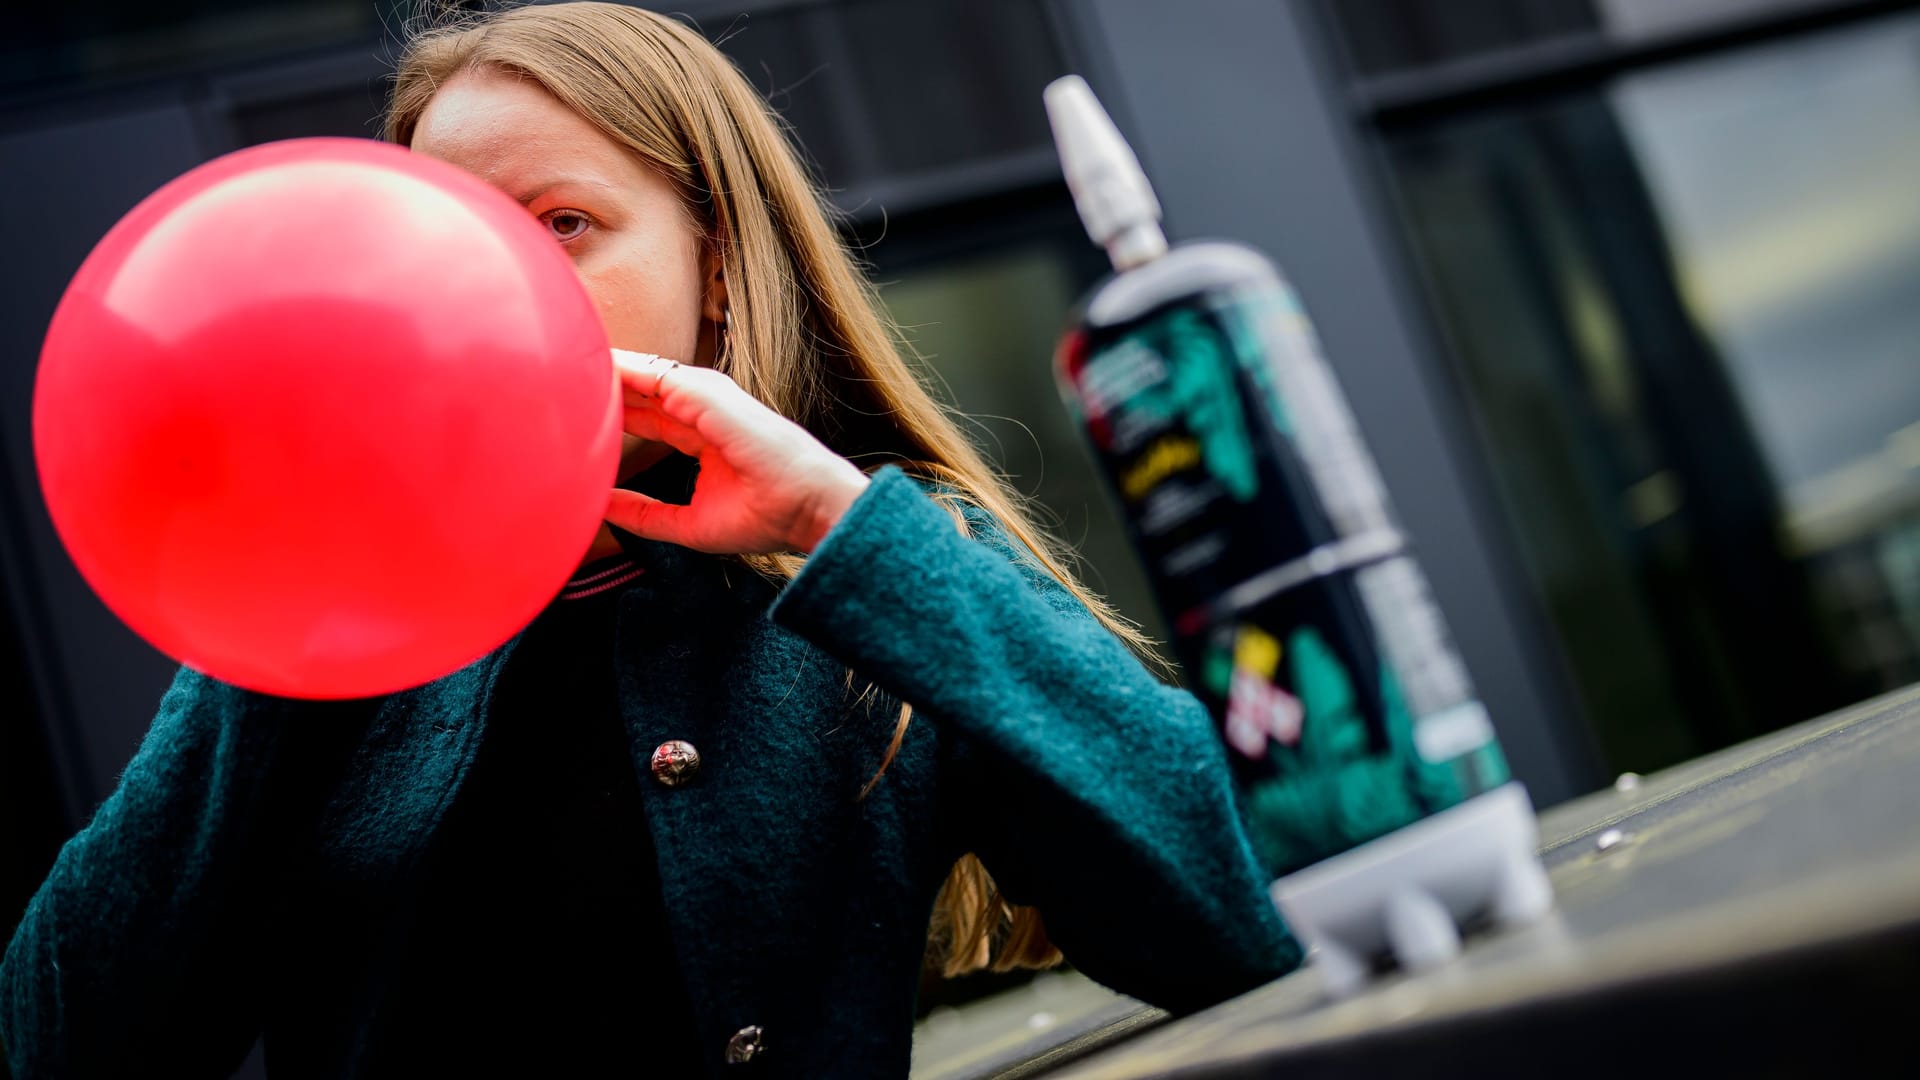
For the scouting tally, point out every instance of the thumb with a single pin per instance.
(648, 517)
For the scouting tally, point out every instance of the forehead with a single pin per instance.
(510, 132)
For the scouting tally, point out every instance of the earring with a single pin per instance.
(725, 352)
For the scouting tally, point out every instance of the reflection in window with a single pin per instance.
(1686, 312)
(1787, 182)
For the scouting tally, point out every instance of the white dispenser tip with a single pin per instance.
(1116, 203)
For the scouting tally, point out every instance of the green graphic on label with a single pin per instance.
(1199, 391)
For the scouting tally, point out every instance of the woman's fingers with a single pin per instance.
(697, 397)
(641, 373)
(645, 381)
(646, 377)
(649, 517)
(648, 421)
(766, 484)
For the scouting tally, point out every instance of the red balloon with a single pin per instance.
(327, 419)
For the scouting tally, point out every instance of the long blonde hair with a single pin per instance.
(809, 337)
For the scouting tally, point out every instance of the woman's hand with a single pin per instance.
(765, 484)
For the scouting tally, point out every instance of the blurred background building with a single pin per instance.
(1626, 294)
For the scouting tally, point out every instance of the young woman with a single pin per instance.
(709, 811)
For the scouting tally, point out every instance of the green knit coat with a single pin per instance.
(249, 873)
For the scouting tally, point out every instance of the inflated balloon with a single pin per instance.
(325, 418)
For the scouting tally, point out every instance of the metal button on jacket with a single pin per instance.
(744, 1045)
(675, 762)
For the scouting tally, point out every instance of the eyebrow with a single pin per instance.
(528, 193)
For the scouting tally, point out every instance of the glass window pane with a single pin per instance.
(47, 43)
(1387, 36)
(950, 81)
(1394, 37)
(1685, 310)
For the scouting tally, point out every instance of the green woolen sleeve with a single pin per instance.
(132, 957)
(1090, 789)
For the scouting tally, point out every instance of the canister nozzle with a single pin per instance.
(1116, 203)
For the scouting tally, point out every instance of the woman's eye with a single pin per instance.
(566, 224)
